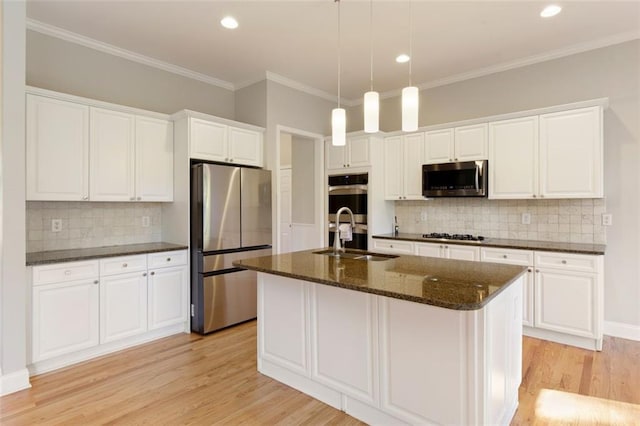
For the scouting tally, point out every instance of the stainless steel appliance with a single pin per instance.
(459, 237)
(460, 179)
(349, 191)
(230, 220)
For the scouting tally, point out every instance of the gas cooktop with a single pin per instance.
(462, 237)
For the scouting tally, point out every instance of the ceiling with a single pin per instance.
(298, 40)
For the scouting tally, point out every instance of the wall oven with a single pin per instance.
(349, 191)
(460, 179)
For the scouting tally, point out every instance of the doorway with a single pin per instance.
(300, 190)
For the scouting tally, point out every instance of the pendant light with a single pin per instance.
(371, 98)
(338, 115)
(410, 95)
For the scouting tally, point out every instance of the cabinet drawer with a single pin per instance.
(567, 261)
(62, 272)
(123, 264)
(509, 256)
(167, 258)
(403, 247)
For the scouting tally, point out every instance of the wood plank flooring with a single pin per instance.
(190, 379)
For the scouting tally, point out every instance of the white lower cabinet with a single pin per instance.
(65, 318)
(84, 309)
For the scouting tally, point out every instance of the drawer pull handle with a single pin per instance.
(124, 265)
(504, 255)
(564, 262)
(168, 259)
(153, 273)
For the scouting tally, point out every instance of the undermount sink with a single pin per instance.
(357, 255)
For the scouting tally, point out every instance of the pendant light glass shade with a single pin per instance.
(338, 127)
(371, 112)
(410, 102)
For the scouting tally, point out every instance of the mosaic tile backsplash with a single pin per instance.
(93, 224)
(576, 221)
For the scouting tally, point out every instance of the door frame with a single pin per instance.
(319, 190)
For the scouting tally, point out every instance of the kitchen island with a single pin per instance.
(402, 339)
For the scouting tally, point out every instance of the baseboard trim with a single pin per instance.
(14, 382)
(620, 329)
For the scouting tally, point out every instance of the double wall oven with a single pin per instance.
(349, 191)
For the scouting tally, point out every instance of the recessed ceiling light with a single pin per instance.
(401, 59)
(551, 10)
(229, 22)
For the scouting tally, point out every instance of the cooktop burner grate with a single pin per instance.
(462, 237)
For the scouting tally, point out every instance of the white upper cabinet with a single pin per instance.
(403, 159)
(465, 143)
(223, 143)
(556, 155)
(513, 158)
(571, 154)
(112, 155)
(57, 150)
(355, 153)
(154, 159)
(78, 152)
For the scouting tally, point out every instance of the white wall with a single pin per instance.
(66, 67)
(612, 72)
(12, 189)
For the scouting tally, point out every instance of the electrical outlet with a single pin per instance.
(423, 216)
(607, 219)
(145, 221)
(56, 225)
(526, 218)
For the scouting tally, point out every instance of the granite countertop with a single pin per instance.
(72, 255)
(447, 283)
(577, 248)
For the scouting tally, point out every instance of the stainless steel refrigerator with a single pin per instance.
(230, 220)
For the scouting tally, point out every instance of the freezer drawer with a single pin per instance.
(229, 299)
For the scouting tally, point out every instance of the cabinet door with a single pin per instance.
(167, 299)
(57, 151)
(461, 252)
(65, 318)
(343, 328)
(413, 161)
(566, 302)
(111, 162)
(245, 147)
(208, 140)
(513, 158)
(528, 298)
(438, 146)
(123, 306)
(336, 156)
(571, 154)
(471, 143)
(358, 149)
(429, 249)
(154, 159)
(393, 173)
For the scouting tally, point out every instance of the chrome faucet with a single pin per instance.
(337, 247)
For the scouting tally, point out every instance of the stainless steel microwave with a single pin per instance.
(460, 179)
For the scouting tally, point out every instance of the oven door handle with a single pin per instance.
(348, 190)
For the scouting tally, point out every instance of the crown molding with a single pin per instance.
(277, 78)
(531, 60)
(72, 37)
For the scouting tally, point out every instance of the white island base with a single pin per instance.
(389, 361)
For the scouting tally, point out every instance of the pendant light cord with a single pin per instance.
(410, 42)
(339, 49)
(371, 39)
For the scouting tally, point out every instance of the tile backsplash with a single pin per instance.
(576, 220)
(94, 224)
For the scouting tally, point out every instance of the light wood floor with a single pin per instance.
(190, 379)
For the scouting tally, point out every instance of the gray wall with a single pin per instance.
(303, 203)
(66, 67)
(251, 104)
(612, 72)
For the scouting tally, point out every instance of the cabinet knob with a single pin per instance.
(96, 281)
(537, 270)
(168, 259)
(541, 195)
(456, 159)
(348, 165)
(446, 246)
(441, 247)
(231, 159)
(391, 245)
(564, 262)
(139, 198)
(153, 273)
(529, 270)
(344, 165)
(85, 198)
(124, 265)
(132, 198)
(226, 159)
(504, 256)
(534, 195)
(144, 275)
(450, 159)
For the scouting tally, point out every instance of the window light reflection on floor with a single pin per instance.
(558, 406)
